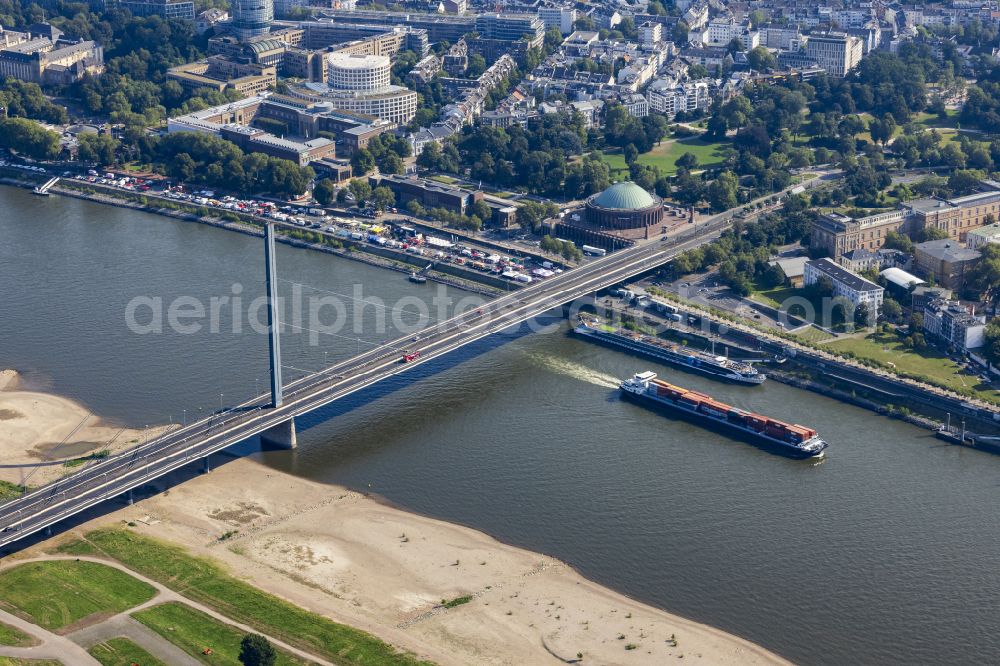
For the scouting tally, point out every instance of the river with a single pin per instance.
(884, 552)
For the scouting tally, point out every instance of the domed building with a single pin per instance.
(624, 206)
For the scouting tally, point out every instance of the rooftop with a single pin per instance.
(947, 250)
(624, 196)
(845, 277)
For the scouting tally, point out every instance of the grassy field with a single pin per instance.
(206, 582)
(195, 633)
(60, 593)
(122, 652)
(9, 491)
(14, 637)
(665, 155)
(928, 363)
(14, 661)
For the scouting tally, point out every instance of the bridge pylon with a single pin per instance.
(273, 340)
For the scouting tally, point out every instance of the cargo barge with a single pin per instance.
(652, 347)
(787, 439)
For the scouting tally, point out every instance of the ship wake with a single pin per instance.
(576, 371)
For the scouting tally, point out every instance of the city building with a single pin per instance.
(357, 72)
(429, 193)
(251, 18)
(863, 259)
(297, 121)
(839, 234)
(168, 9)
(946, 261)
(395, 104)
(900, 281)
(984, 235)
(954, 325)
(40, 55)
(624, 206)
(559, 17)
(650, 33)
(210, 18)
(438, 27)
(252, 139)
(511, 27)
(218, 73)
(846, 284)
(960, 215)
(836, 52)
(793, 268)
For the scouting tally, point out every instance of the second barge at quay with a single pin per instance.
(652, 347)
(787, 439)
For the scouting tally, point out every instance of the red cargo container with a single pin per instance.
(690, 399)
(714, 407)
(757, 422)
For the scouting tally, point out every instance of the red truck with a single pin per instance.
(410, 356)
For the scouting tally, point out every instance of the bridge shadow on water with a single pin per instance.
(304, 422)
(417, 373)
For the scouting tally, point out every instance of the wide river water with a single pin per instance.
(885, 552)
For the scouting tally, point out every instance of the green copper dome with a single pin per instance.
(624, 196)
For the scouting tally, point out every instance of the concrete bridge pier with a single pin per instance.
(280, 436)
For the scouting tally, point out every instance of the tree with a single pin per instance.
(476, 66)
(892, 310)
(687, 161)
(881, 130)
(28, 137)
(722, 192)
(324, 192)
(761, 59)
(482, 210)
(99, 149)
(897, 241)
(256, 650)
(992, 347)
(383, 198)
(360, 189)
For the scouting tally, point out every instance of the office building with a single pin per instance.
(357, 72)
(168, 9)
(252, 18)
(836, 52)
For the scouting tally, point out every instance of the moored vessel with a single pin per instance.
(719, 367)
(787, 439)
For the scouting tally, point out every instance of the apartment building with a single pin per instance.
(846, 284)
(954, 324)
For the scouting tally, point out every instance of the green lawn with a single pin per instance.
(14, 661)
(812, 334)
(195, 633)
(60, 593)
(206, 582)
(122, 652)
(929, 363)
(665, 155)
(14, 637)
(448, 180)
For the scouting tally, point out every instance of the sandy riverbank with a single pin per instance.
(39, 432)
(360, 562)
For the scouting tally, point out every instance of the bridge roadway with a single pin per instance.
(111, 477)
